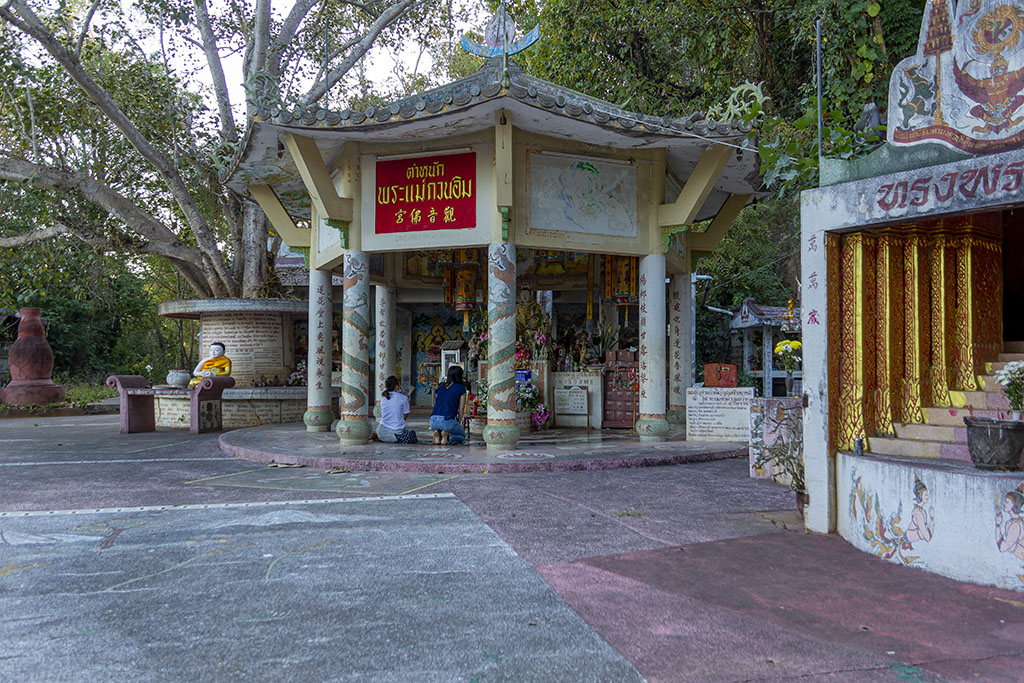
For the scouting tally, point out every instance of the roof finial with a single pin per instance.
(499, 39)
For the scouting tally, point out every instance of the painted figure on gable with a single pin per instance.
(922, 520)
(214, 365)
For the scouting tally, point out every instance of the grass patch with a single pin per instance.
(78, 396)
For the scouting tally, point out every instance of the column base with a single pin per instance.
(318, 419)
(501, 437)
(353, 431)
(676, 416)
(652, 428)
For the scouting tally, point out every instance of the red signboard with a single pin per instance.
(426, 193)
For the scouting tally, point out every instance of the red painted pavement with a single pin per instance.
(792, 604)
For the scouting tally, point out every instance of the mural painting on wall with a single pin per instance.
(426, 193)
(1010, 525)
(883, 533)
(573, 194)
(432, 326)
(534, 265)
(776, 438)
(965, 86)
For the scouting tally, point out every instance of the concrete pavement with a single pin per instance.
(684, 572)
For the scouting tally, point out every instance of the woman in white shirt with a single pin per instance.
(394, 406)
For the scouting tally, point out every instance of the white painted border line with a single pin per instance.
(112, 462)
(221, 506)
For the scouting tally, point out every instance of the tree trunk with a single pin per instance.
(254, 249)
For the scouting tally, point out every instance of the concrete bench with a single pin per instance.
(137, 409)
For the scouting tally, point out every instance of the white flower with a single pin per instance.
(1011, 373)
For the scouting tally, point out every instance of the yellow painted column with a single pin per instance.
(833, 243)
(857, 339)
(943, 332)
(888, 322)
(917, 379)
(963, 361)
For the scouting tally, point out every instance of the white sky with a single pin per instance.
(380, 63)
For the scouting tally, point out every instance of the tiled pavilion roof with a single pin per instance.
(468, 105)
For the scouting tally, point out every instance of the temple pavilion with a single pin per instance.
(452, 199)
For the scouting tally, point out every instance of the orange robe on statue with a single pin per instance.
(220, 366)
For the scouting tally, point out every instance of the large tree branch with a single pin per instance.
(195, 277)
(289, 27)
(117, 205)
(220, 86)
(261, 37)
(38, 235)
(27, 21)
(386, 18)
(85, 27)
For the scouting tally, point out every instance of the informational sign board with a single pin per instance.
(571, 401)
(426, 193)
(718, 414)
(580, 385)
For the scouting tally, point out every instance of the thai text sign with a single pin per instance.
(970, 185)
(426, 193)
(571, 401)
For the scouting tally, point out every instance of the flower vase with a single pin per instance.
(789, 383)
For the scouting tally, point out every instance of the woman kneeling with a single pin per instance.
(449, 407)
(394, 406)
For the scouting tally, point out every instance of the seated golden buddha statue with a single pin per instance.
(214, 365)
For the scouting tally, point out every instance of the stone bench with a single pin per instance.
(137, 403)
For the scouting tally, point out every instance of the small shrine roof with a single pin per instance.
(756, 315)
(469, 105)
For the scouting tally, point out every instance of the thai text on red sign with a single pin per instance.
(426, 193)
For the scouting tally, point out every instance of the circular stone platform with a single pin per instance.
(555, 450)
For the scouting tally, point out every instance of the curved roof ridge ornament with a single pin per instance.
(499, 39)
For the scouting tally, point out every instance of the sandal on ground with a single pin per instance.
(437, 438)
(444, 438)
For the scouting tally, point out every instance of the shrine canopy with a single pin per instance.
(499, 155)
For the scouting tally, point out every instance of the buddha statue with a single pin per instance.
(214, 365)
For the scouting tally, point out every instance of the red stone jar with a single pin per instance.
(31, 362)
(30, 356)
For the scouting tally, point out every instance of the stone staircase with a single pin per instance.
(943, 435)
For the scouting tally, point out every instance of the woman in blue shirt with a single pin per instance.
(449, 407)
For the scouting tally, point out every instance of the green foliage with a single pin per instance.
(757, 258)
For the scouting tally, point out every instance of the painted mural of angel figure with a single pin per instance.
(1010, 532)
(922, 522)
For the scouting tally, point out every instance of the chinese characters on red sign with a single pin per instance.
(426, 193)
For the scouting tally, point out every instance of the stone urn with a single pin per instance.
(995, 444)
(31, 361)
(178, 378)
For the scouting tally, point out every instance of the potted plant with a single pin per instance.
(478, 408)
(541, 417)
(1011, 378)
(527, 397)
(788, 353)
(997, 444)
